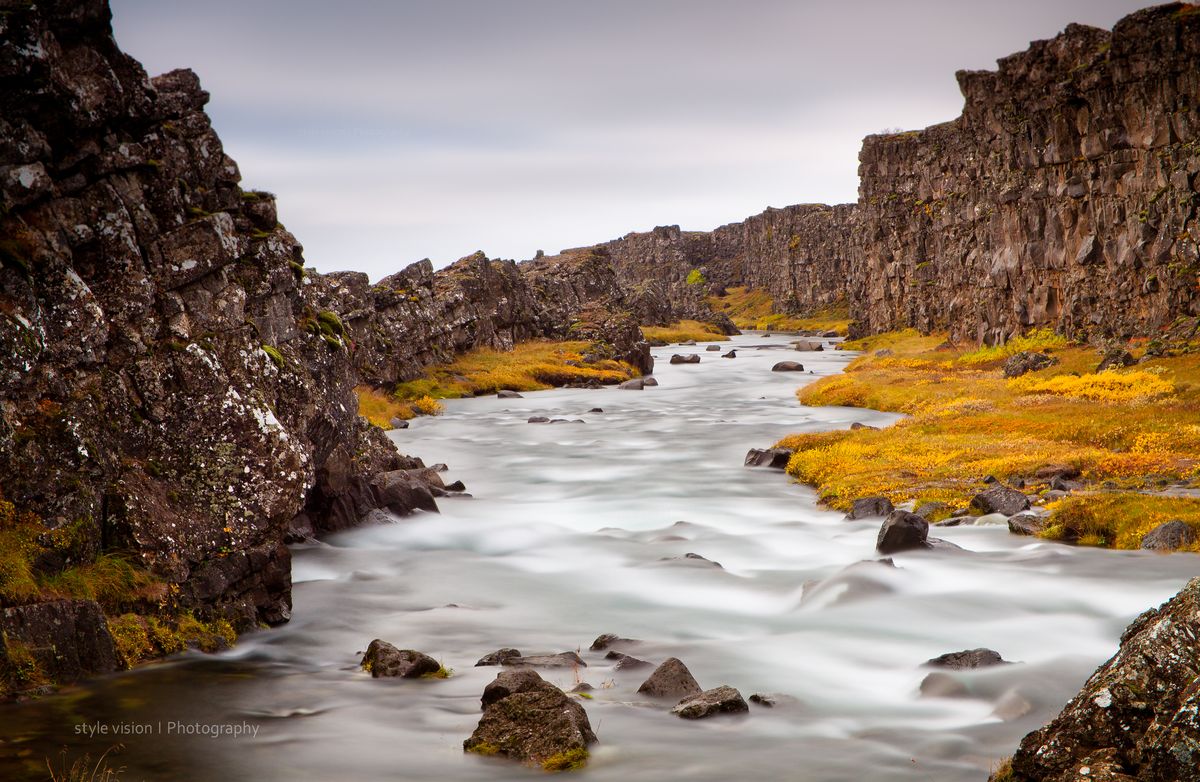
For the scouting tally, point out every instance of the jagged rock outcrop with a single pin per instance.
(1136, 717)
(169, 388)
(1065, 196)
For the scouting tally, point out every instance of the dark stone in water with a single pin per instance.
(1169, 536)
(967, 659)
(538, 419)
(608, 640)
(560, 660)
(690, 358)
(902, 531)
(650, 381)
(625, 662)
(505, 393)
(788, 366)
(383, 659)
(529, 720)
(775, 458)
(672, 679)
(719, 700)
(498, 657)
(867, 507)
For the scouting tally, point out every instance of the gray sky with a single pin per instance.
(394, 131)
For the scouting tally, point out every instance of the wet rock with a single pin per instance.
(1026, 524)
(954, 521)
(382, 659)
(671, 679)
(807, 344)
(775, 458)
(626, 662)
(1116, 358)
(713, 348)
(650, 381)
(1012, 705)
(688, 342)
(967, 659)
(1169, 536)
(942, 685)
(859, 425)
(690, 358)
(902, 531)
(398, 423)
(1020, 363)
(637, 384)
(788, 366)
(868, 507)
(530, 720)
(505, 393)
(999, 499)
(498, 657)
(67, 640)
(730, 354)
(928, 510)
(1059, 483)
(609, 640)
(719, 700)
(538, 419)
(596, 410)
(560, 660)
(693, 559)
(1138, 711)
(582, 687)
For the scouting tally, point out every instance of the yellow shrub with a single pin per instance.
(427, 405)
(1098, 387)
(755, 309)
(683, 331)
(1036, 340)
(1119, 520)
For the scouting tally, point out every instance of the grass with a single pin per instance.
(751, 309)
(529, 366)
(683, 331)
(441, 673)
(140, 638)
(380, 408)
(84, 770)
(571, 760)
(1127, 431)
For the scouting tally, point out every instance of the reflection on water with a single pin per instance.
(570, 534)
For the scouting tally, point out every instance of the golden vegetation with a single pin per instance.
(751, 309)
(1126, 431)
(529, 366)
(683, 331)
(380, 408)
(139, 638)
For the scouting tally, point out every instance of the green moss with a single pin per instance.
(23, 669)
(571, 760)
(441, 673)
(275, 356)
(139, 638)
(331, 323)
(484, 748)
(298, 270)
(696, 277)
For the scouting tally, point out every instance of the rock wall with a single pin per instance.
(1065, 196)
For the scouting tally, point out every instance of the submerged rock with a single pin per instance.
(730, 354)
(788, 366)
(807, 344)
(671, 679)
(775, 458)
(713, 348)
(649, 381)
(505, 393)
(1138, 716)
(560, 660)
(538, 419)
(498, 657)
(637, 384)
(530, 720)
(626, 662)
(690, 358)
(609, 640)
(967, 659)
(382, 659)
(719, 700)
(1026, 524)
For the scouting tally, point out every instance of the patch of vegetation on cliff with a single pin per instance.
(529, 366)
(380, 408)
(1126, 431)
(140, 638)
(683, 331)
(755, 310)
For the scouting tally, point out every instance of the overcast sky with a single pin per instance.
(395, 131)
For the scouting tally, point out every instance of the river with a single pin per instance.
(569, 533)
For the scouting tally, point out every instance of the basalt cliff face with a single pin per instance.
(176, 389)
(1065, 196)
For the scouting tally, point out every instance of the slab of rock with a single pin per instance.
(999, 499)
(719, 700)
(1020, 363)
(626, 662)
(609, 640)
(649, 381)
(382, 659)
(398, 423)
(672, 679)
(560, 660)
(902, 531)
(713, 348)
(690, 358)
(868, 507)
(806, 344)
(730, 354)
(1026, 524)
(530, 720)
(1169, 536)
(498, 657)
(1059, 483)
(68, 639)
(538, 419)
(967, 659)
(692, 558)
(859, 425)
(1139, 713)
(637, 384)
(505, 393)
(775, 458)
(596, 410)
(788, 366)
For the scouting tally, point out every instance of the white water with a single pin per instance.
(563, 540)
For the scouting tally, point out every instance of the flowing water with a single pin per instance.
(576, 529)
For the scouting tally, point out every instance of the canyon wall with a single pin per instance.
(1065, 196)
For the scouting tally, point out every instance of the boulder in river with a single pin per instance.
(713, 348)
(788, 366)
(538, 419)
(530, 720)
(730, 354)
(857, 425)
(776, 458)
(672, 679)
(506, 393)
(637, 384)
(999, 499)
(868, 507)
(1026, 524)
(498, 657)
(383, 659)
(967, 659)
(596, 410)
(649, 381)
(398, 423)
(560, 660)
(1138, 716)
(1169, 536)
(806, 344)
(626, 662)
(719, 700)
(902, 531)
(690, 358)
(608, 641)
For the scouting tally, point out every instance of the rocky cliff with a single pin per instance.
(1065, 196)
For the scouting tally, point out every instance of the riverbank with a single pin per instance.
(1107, 455)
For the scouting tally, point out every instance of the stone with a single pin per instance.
(382, 660)
(1138, 712)
(942, 685)
(719, 700)
(650, 381)
(68, 640)
(857, 425)
(538, 419)
(398, 423)
(498, 657)
(902, 531)
(1021, 363)
(730, 354)
(671, 679)
(691, 558)
(1116, 358)
(968, 659)
(596, 410)
(560, 660)
(807, 345)
(505, 393)
(1169, 536)
(713, 348)
(788, 366)
(529, 720)
(626, 662)
(690, 358)
(999, 499)
(867, 507)
(1026, 524)
(637, 384)
(609, 640)
(1059, 483)
(775, 458)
